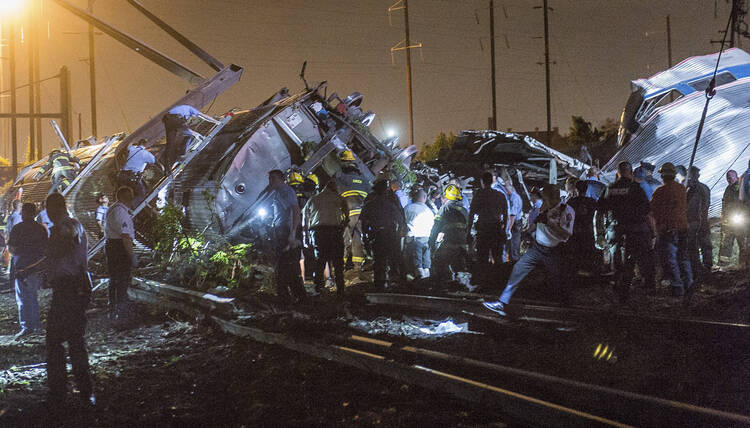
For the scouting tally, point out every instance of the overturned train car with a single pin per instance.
(661, 117)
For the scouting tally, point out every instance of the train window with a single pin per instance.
(721, 79)
(650, 105)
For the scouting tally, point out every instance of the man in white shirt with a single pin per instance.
(554, 226)
(419, 222)
(120, 234)
(101, 211)
(131, 174)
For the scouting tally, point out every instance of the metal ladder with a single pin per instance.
(193, 149)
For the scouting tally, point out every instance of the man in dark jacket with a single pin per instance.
(491, 209)
(383, 226)
(580, 249)
(733, 220)
(448, 237)
(699, 231)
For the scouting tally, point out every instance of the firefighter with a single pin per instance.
(120, 234)
(627, 202)
(383, 226)
(63, 166)
(304, 187)
(353, 187)
(733, 221)
(67, 275)
(131, 174)
(448, 237)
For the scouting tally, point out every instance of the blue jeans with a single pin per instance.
(419, 252)
(535, 256)
(674, 254)
(28, 304)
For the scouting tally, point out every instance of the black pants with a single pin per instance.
(66, 322)
(700, 247)
(119, 268)
(386, 249)
(328, 242)
(490, 242)
(178, 136)
(288, 275)
(633, 248)
(134, 182)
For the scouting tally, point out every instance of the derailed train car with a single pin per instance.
(660, 119)
(219, 189)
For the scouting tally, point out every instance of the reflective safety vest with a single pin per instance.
(354, 189)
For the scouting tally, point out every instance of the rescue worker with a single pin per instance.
(304, 187)
(554, 226)
(354, 188)
(580, 247)
(63, 166)
(67, 275)
(419, 222)
(448, 238)
(633, 232)
(650, 179)
(43, 218)
(640, 177)
(491, 211)
(286, 235)
(399, 192)
(119, 248)
(324, 216)
(131, 174)
(681, 174)
(27, 243)
(178, 133)
(699, 231)
(383, 226)
(733, 221)
(101, 211)
(595, 188)
(669, 210)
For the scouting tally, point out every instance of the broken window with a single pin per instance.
(721, 79)
(656, 102)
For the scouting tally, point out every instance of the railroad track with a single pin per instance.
(521, 396)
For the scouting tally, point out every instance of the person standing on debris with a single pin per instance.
(27, 243)
(554, 226)
(324, 216)
(286, 235)
(383, 226)
(627, 202)
(178, 133)
(63, 166)
(699, 231)
(580, 247)
(449, 236)
(101, 211)
(354, 188)
(67, 275)
(119, 248)
(734, 220)
(419, 222)
(669, 210)
(515, 222)
(131, 174)
(491, 211)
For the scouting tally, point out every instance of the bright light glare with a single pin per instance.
(390, 133)
(262, 212)
(738, 219)
(8, 6)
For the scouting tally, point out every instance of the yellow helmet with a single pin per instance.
(314, 179)
(346, 156)
(295, 178)
(452, 193)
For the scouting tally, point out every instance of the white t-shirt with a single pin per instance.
(419, 220)
(119, 222)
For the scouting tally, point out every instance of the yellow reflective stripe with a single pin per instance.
(357, 259)
(354, 193)
(355, 211)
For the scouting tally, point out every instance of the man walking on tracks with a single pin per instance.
(554, 226)
(627, 202)
(67, 275)
(120, 234)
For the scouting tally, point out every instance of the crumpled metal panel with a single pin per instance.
(668, 134)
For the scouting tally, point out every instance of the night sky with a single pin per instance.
(597, 47)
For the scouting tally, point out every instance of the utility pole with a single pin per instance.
(407, 46)
(32, 99)
(669, 43)
(546, 70)
(38, 84)
(493, 124)
(13, 120)
(92, 72)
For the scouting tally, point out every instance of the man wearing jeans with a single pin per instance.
(419, 222)
(669, 209)
(554, 226)
(27, 243)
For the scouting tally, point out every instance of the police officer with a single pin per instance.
(178, 133)
(448, 236)
(120, 234)
(354, 188)
(131, 174)
(67, 275)
(628, 205)
(63, 166)
(383, 226)
(491, 210)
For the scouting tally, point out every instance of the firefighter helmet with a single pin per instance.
(295, 178)
(314, 179)
(452, 193)
(346, 156)
(668, 169)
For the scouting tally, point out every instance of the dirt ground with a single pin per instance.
(163, 371)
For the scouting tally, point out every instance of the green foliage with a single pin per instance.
(582, 132)
(308, 148)
(430, 152)
(406, 175)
